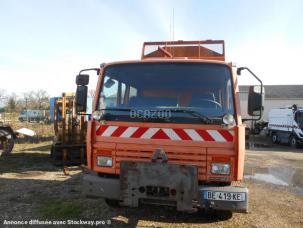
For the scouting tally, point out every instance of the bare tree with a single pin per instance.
(42, 99)
(12, 102)
(28, 100)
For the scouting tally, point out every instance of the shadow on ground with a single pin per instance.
(154, 214)
(31, 187)
(260, 142)
(35, 159)
(64, 200)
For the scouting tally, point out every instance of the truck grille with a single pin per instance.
(187, 156)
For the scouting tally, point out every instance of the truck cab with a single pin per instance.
(167, 129)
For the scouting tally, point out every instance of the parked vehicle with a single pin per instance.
(286, 125)
(34, 115)
(167, 129)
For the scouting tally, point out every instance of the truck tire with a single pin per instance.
(112, 203)
(274, 138)
(293, 141)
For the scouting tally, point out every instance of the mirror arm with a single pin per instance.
(83, 114)
(259, 80)
(88, 69)
(255, 76)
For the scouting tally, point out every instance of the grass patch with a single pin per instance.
(60, 210)
(20, 161)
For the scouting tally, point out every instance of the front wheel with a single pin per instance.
(274, 138)
(293, 142)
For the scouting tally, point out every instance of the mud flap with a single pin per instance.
(159, 183)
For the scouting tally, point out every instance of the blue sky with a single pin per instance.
(43, 44)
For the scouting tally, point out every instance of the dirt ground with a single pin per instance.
(31, 188)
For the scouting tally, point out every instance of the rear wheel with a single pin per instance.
(274, 138)
(293, 142)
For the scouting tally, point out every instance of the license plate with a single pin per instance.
(226, 196)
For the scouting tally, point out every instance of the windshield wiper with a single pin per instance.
(105, 116)
(115, 109)
(204, 118)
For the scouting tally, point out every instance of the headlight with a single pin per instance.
(228, 119)
(220, 168)
(104, 161)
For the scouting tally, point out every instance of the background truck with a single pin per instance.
(31, 115)
(167, 129)
(285, 125)
(69, 146)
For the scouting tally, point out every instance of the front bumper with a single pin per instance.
(189, 196)
(237, 206)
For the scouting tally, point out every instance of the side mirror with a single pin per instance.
(81, 98)
(255, 100)
(239, 70)
(82, 79)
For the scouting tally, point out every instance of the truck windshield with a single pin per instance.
(160, 90)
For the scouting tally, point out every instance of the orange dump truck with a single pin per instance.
(167, 129)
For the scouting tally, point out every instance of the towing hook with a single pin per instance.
(159, 153)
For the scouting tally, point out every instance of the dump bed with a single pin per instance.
(206, 49)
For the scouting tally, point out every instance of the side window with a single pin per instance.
(299, 118)
(114, 93)
(108, 95)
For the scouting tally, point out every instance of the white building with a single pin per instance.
(276, 96)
